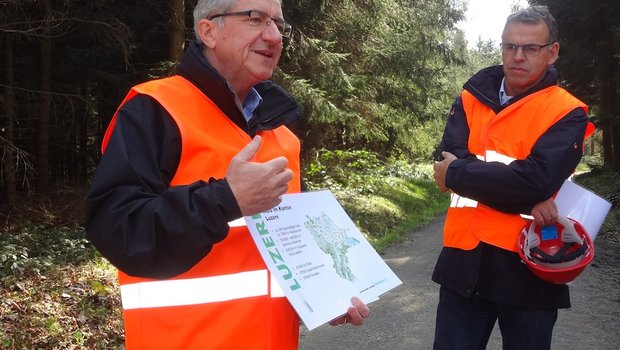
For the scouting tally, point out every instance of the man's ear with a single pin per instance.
(555, 52)
(207, 32)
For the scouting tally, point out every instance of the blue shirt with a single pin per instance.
(251, 102)
(503, 97)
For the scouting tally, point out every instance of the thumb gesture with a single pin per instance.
(257, 186)
(249, 151)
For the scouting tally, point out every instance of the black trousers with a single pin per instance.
(467, 322)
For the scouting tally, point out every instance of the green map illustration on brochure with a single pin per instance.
(333, 241)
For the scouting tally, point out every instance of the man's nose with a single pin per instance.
(271, 32)
(519, 54)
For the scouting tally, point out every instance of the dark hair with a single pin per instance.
(535, 15)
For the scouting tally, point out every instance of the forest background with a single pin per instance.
(375, 79)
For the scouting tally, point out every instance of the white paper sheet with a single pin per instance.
(582, 205)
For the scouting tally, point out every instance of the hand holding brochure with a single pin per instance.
(318, 256)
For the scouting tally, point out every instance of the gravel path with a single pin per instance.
(404, 317)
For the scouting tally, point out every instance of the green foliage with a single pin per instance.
(35, 250)
(371, 74)
(344, 170)
(385, 198)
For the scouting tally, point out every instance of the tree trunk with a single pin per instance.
(609, 98)
(82, 137)
(177, 30)
(607, 121)
(43, 136)
(7, 129)
(615, 142)
(614, 115)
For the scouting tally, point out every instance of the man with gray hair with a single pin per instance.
(511, 139)
(184, 159)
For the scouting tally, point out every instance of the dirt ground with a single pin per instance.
(404, 317)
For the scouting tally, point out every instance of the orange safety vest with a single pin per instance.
(228, 300)
(504, 137)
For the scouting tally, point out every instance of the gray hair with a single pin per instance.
(536, 15)
(208, 8)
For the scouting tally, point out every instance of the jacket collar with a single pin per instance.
(278, 107)
(194, 67)
(486, 83)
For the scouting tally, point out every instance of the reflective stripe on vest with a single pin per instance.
(228, 300)
(503, 137)
(198, 290)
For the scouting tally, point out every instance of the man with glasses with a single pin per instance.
(184, 158)
(512, 138)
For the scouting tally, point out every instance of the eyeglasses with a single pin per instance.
(258, 18)
(530, 50)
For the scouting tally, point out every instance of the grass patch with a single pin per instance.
(397, 207)
(386, 200)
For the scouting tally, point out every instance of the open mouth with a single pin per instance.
(265, 53)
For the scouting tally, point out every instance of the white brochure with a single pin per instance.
(318, 256)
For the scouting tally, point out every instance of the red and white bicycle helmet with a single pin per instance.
(556, 253)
